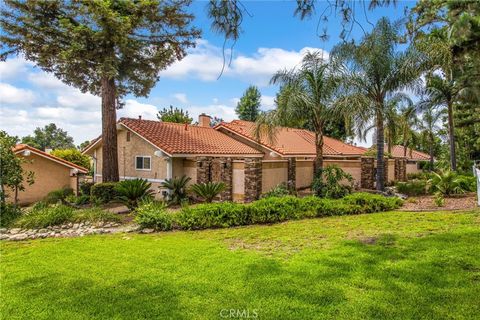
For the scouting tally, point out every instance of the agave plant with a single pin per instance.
(131, 192)
(447, 183)
(208, 191)
(178, 189)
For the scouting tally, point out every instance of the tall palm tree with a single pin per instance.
(307, 95)
(408, 120)
(374, 71)
(428, 126)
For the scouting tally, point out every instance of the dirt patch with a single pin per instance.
(427, 203)
(368, 240)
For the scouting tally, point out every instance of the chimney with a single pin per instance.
(204, 120)
(139, 117)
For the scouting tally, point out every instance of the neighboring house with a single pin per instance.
(50, 173)
(413, 157)
(296, 143)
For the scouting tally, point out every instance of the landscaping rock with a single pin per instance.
(18, 237)
(147, 230)
(3, 230)
(15, 230)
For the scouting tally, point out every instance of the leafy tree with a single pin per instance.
(308, 94)
(83, 145)
(248, 108)
(49, 137)
(175, 115)
(74, 156)
(373, 71)
(107, 48)
(215, 120)
(12, 174)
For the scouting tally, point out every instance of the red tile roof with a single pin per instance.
(290, 141)
(21, 147)
(175, 138)
(398, 152)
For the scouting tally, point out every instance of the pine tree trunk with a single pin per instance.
(319, 151)
(451, 135)
(109, 132)
(380, 151)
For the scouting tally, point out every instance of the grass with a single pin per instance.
(394, 265)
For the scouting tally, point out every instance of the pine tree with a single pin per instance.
(248, 108)
(107, 48)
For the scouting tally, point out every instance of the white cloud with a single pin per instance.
(205, 63)
(13, 95)
(73, 98)
(181, 97)
(267, 102)
(46, 81)
(14, 68)
(133, 109)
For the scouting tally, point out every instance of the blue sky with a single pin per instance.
(272, 39)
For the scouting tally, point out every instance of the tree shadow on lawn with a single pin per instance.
(434, 277)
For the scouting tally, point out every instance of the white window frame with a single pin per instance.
(138, 169)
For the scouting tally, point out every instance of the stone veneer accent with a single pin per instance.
(253, 179)
(222, 170)
(400, 169)
(203, 169)
(367, 179)
(291, 176)
(385, 171)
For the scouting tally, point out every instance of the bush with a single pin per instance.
(412, 188)
(330, 183)
(8, 214)
(208, 191)
(74, 156)
(274, 209)
(439, 200)
(153, 215)
(215, 215)
(177, 188)
(59, 195)
(94, 215)
(85, 188)
(448, 183)
(373, 202)
(130, 192)
(45, 217)
(103, 192)
(279, 190)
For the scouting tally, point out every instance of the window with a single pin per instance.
(142, 163)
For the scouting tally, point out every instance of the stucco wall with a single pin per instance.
(352, 167)
(274, 172)
(304, 173)
(412, 168)
(238, 180)
(49, 176)
(190, 170)
(391, 170)
(127, 151)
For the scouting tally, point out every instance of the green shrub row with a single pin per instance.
(267, 210)
(42, 216)
(413, 187)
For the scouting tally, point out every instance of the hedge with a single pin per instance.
(267, 210)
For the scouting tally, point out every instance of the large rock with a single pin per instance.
(19, 237)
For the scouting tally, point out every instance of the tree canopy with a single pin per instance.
(248, 108)
(176, 115)
(49, 137)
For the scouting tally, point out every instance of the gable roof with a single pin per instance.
(398, 151)
(184, 139)
(22, 147)
(291, 141)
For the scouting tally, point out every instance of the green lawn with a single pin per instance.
(394, 265)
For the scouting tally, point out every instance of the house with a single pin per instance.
(298, 144)
(414, 157)
(229, 152)
(50, 173)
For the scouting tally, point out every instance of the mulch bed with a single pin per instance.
(426, 203)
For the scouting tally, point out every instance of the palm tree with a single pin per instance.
(374, 71)
(429, 128)
(307, 94)
(408, 120)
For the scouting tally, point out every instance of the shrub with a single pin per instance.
(439, 200)
(94, 215)
(447, 183)
(152, 214)
(74, 156)
(44, 217)
(8, 214)
(412, 188)
(208, 191)
(103, 192)
(85, 188)
(279, 190)
(373, 202)
(130, 192)
(215, 215)
(328, 183)
(177, 188)
(273, 209)
(59, 195)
